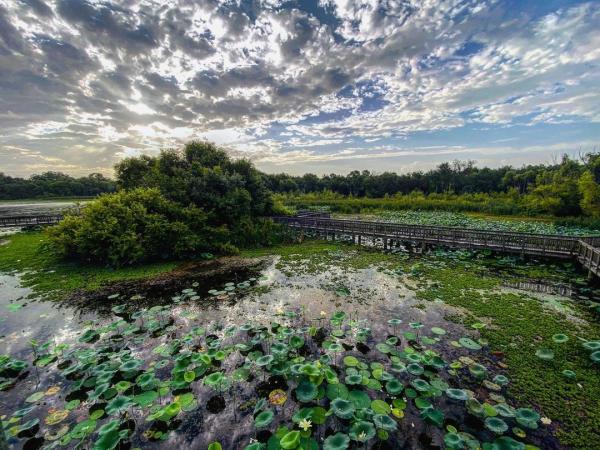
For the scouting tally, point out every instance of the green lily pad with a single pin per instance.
(560, 338)
(469, 343)
(496, 425)
(545, 354)
(380, 407)
(362, 431)
(344, 409)
(306, 391)
(290, 440)
(384, 422)
(457, 394)
(263, 419)
(338, 441)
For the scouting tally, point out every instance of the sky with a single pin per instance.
(319, 86)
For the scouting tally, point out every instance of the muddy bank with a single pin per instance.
(148, 290)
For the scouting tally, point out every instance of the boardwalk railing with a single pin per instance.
(585, 249)
(24, 221)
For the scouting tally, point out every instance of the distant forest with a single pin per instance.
(54, 184)
(570, 187)
(567, 187)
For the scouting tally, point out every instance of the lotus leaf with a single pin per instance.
(373, 384)
(122, 386)
(344, 409)
(505, 410)
(360, 399)
(420, 385)
(334, 391)
(394, 387)
(296, 342)
(118, 404)
(545, 354)
(338, 441)
(527, 417)
(290, 440)
(353, 379)
(306, 391)
(477, 370)
(35, 397)
(384, 422)
(109, 436)
(277, 397)
(255, 446)
(56, 417)
(415, 369)
(383, 347)
(560, 338)
(214, 379)
(362, 431)
(145, 399)
(380, 407)
(263, 419)
(508, 443)
(422, 403)
(591, 345)
(434, 416)
(89, 336)
(453, 441)
(350, 361)
(501, 380)
(469, 343)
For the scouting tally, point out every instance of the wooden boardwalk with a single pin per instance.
(585, 249)
(27, 221)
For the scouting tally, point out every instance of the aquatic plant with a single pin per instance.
(365, 396)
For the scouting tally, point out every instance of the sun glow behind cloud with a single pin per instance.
(333, 86)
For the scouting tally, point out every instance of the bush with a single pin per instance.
(131, 227)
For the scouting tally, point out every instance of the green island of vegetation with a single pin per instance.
(328, 345)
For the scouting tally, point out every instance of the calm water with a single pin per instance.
(34, 208)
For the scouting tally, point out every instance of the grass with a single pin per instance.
(312, 256)
(53, 278)
(520, 325)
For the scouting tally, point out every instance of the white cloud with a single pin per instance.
(134, 76)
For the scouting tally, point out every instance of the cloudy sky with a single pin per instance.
(317, 85)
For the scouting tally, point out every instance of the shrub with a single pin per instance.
(131, 227)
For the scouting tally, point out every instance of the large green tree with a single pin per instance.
(201, 174)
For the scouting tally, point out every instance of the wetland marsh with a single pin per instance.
(320, 345)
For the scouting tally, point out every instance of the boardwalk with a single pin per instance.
(25, 221)
(585, 249)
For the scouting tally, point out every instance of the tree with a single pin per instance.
(590, 194)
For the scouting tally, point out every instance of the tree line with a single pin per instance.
(570, 187)
(54, 184)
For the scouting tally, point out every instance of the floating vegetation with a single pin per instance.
(461, 220)
(334, 395)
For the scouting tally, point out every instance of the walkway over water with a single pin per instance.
(27, 221)
(585, 249)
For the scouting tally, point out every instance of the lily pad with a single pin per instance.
(338, 441)
(263, 419)
(344, 409)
